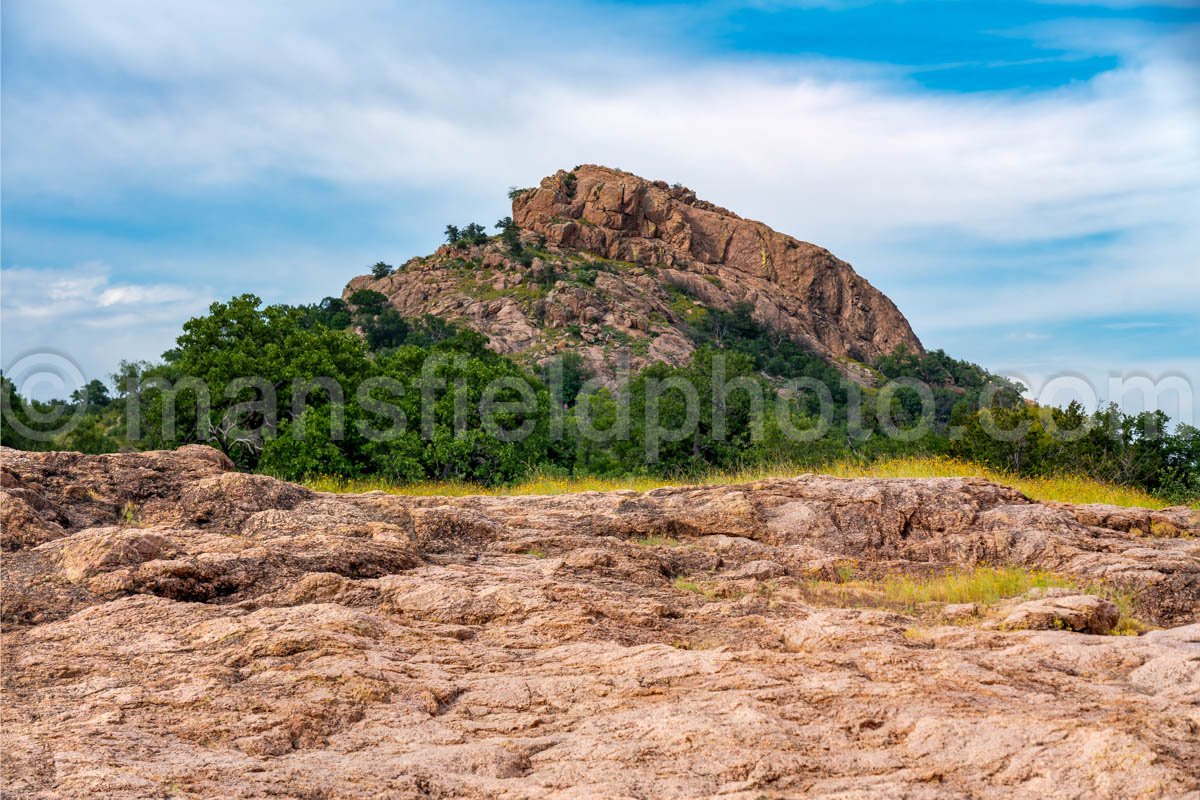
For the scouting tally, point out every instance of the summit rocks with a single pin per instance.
(625, 266)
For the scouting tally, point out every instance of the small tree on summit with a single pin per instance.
(475, 233)
(381, 270)
(472, 233)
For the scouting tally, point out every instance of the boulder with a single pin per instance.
(1084, 613)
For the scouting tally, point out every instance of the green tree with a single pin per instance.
(248, 360)
(93, 395)
(332, 312)
(13, 411)
(510, 234)
(474, 233)
(451, 436)
(388, 329)
(368, 302)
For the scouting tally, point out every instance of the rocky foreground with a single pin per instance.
(173, 628)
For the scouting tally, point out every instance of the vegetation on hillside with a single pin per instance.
(351, 390)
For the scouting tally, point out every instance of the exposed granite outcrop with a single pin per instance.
(627, 265)
(174, 628)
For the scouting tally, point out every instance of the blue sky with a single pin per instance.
(1022, 178)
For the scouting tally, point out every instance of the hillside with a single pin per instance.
(610, 264)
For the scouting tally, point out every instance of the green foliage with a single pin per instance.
(381, 270)
(472, 233)
(90, 422)
(737, 404)
(1110, 446)
(244, 356)
(332, 312)
(957, 386)
(773, 352)
(588, 273)
(388, 329)
(315, 432)
(93, 396)
(14, 408)
(510, 234)
(368, 302)
(569, 373)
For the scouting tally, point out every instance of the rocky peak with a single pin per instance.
(795, 285)
(623, 270)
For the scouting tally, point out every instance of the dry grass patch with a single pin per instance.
(984, 586)
(1065, 488)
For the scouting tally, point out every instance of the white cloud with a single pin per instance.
(80, 313)
(437, 103)
(1135, 325)
(126, 295)
(337, 98)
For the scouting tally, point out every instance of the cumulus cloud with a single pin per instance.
(448, 105)
(82, 314)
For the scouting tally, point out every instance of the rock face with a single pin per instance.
(626, 265)
(173, 628)
(795, 286)
(1073, 612)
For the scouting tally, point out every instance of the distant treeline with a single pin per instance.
(353, 388)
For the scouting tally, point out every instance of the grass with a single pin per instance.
(131, 515)
(1065, 488)
(924, 596)
(1060, 488)
(689, 585)
(984, 586)
(657, 541)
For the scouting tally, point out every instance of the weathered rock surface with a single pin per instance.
(173, 628)
(625, 266)
(1073, 612)
(794, 285)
